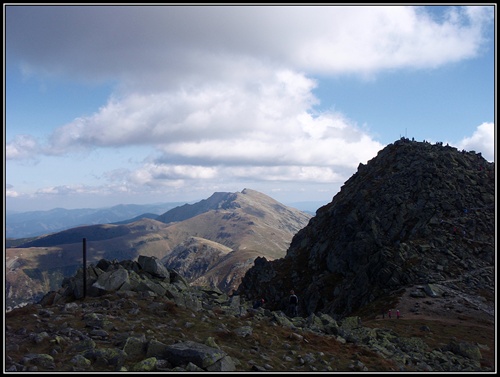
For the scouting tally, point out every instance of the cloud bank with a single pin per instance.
(226, 92)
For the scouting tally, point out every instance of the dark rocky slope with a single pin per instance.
(417, 213)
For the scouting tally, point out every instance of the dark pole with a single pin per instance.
(84, 268)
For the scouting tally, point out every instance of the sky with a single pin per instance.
(139, 104)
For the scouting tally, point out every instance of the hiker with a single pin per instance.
(397, 314)
(293, 303)
(390, 313)
(258, 303)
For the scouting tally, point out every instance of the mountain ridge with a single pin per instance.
(246, 220)
(32, 224)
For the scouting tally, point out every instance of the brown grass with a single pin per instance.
(281, 347)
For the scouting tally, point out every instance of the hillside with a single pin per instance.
(418, 216)
(138, 316)
(247, 224)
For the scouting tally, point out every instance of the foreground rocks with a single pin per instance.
(143, 318)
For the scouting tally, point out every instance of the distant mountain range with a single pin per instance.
(37, 223)
(213, 242)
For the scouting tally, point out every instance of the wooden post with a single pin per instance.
(84, 268)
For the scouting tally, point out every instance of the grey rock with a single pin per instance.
(199, 354)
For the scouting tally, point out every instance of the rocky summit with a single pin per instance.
(416, 214)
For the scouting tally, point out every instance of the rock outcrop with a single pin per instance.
(417, 213)
(141, 317)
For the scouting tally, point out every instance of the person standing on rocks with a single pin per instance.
(258, 303)
(390, 313)
(398, 314)
(293, 304)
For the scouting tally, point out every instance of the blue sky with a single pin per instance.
(107, 105)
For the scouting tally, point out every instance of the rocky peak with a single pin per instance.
(416, 213)
(188, 211)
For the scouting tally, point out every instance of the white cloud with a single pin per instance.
(171, 173)
(226, 93)
(65, 190)
(483, 140)
(264, 121)
(268, 123)
(370, 39)
(202, 82)
(165, 46)
(22, 147)
(262, 103)
(10, 193)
